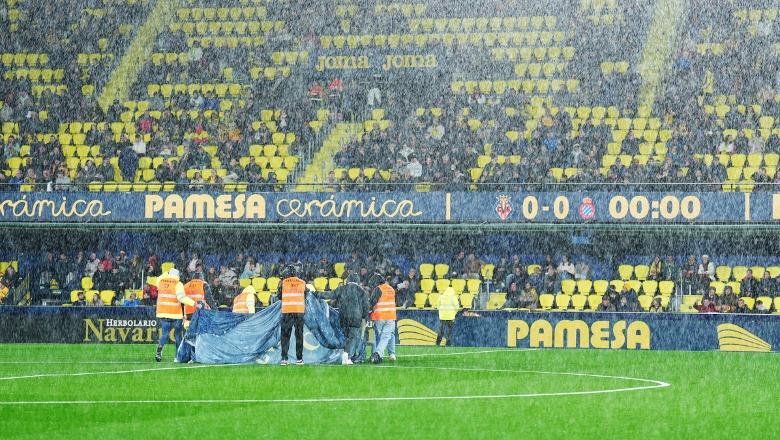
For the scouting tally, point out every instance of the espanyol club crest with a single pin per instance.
(503, 208)
(587, 209)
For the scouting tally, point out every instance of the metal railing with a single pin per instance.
(419, 186)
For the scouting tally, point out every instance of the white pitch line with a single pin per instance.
(655, 384)
(461, 353)
(95, 373)
(71, 362)
(57, 362)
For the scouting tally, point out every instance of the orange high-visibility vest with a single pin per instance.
(293, 289)
(384, 310)
(167, 303)
(195, 291)
(239, 303)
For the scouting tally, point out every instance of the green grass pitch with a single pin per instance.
(116, 391)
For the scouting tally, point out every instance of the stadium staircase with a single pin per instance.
(322, 162)
(141, 48)
(661, 45)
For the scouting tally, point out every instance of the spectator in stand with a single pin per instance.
(101, 280)
(706, 306)
(688, 274)
(630, 295)
(566, 270)
(128, 162)
(251, 269)
(408, 287)
(706, 270)
(354, 263)
(153, 268)
(10, 277)
(193, 264)
(625, 306)
(325, 268)
(500, 274)
(537, 279)
(228, 284)
(458, 265)
(711, 295)
(472, 267)
(96, 302)
(414, 168)
(582, 271)
(4, 292)
(741, 307)
(760, 307)
(107, 262)
(550, 282)
(529, 298)
(80, 300)
(655, 306)
(657, 268)
(131, 301)
(727, 301)
(767, 286)
(62, 269)
(749, 286)
(513, 293)
(606, 305)
(518, 276)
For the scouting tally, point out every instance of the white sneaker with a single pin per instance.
(392, 358)
(345, 360)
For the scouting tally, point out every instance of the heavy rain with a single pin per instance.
(421, 218)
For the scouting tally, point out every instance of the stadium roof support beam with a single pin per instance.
(140, 50)
(660, 46)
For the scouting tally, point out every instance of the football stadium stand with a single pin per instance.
(374, 96)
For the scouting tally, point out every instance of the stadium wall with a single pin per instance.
(581, 330)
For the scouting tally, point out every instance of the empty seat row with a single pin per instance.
(228, 27)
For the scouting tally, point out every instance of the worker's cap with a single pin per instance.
(173, 273)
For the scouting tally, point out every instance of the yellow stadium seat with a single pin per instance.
(426, 270)
(427, 285)
(666, 288)
(546, 301)
(645, 301)
(562, 301)
(578, 302)
(497, 301)
(594, 301)
(739, 272)
(625, 271)
(420, 299)
(641, 271)
(568, 286)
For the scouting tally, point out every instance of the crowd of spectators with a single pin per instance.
(128, 276)
(440, 149)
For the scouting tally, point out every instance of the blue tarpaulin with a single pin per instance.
(230, 338)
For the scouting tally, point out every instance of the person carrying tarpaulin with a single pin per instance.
(351, 300)
(383, 314)
(170, 297)
(244, 302)
(198, 290)
(292, 294)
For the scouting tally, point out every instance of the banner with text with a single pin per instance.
(394, 207)
(632, 331)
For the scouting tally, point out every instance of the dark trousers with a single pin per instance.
(290, 320)
(351, 341)
(445, 330)
(167, 324)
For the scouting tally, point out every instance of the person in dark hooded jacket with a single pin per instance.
(351, 300)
